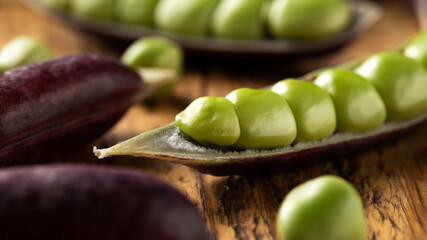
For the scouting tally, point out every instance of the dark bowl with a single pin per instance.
(365, 14)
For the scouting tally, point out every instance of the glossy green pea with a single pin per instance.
(190, 17)
(325, 208)
(307, 19)
(401, 82)
(358, 105)
(23, 50)
(417, 48)
(312, 107)
(138, 12)
(239, 19)
(60, 4)
(154, 52)
(97, 9)
(265, 118)
(210, 120)
(157, 53)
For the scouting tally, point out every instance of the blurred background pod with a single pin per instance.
(202, 26)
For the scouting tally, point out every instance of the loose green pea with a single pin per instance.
(312, 107)
(401, 82)
(210, 120)
(138, 12)
(325, 208)
(97, 9)
(239, 19)
(60, 4)
(265, 118)
(156, 52)
(308, 19)
(417, 48)
(190, 17)
(23, 50)
(358, 105)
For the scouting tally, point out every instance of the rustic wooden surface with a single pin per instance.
(391, 177)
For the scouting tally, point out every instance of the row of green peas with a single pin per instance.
(237, 19)
(388, 86)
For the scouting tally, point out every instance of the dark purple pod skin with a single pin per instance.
(49, 108)
(85, 202)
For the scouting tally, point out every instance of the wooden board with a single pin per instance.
(391, 177)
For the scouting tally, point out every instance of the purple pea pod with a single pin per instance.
(90, 202)
(53, 107)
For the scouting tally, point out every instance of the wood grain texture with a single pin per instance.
(391, 177)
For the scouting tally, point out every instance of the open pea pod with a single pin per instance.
(396, 81)
(170, 144)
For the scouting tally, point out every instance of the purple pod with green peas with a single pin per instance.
(362, 101)
(82, 202)
(324, 208)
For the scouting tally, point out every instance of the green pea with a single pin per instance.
(265, 118)
(312, 107)
(325, 208)
(358, 105)
(59, 4)
(97, 9)
(190, 17)
(210, 120)
(417, 48)
(308, 19)
(138, 12)
(401, 82)
(23, 50)
(154, 52)
(239, 19)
